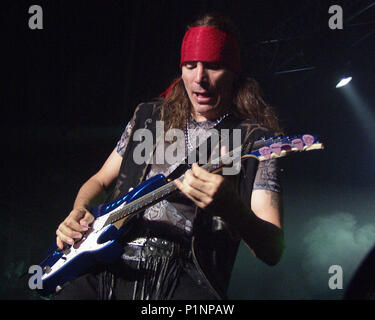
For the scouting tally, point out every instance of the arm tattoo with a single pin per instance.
(275, 199)
(267, 176)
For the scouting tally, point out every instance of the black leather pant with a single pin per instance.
(86, 288)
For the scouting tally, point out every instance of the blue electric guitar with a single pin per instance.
(99, 244)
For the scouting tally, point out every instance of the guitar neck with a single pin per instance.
(143, 202)
(155, 196)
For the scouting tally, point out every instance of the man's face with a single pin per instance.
(209, 87)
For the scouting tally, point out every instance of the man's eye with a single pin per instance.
(214, 66)
(190, 65)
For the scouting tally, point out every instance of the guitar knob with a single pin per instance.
(47, 269)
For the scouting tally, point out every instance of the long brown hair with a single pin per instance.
(248, 99)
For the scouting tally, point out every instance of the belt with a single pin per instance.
(140, 248)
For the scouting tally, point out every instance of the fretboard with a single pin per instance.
(143, 202)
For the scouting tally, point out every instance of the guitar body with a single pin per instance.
(98, 246)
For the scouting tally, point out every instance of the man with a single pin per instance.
(185, 246)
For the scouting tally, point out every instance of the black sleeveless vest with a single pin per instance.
(214, 244)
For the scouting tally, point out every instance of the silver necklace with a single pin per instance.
(187, 130)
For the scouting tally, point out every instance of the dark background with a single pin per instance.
(71, 87)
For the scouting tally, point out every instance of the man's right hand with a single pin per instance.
(73, 227)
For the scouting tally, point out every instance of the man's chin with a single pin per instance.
(206, 108)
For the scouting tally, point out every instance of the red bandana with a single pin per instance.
(210, 44)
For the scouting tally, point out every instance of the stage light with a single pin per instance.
(343, 82)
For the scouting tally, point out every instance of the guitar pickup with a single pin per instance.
(65, 251)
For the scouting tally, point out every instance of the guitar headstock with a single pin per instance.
(281, 146)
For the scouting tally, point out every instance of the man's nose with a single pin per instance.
(201, 73)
